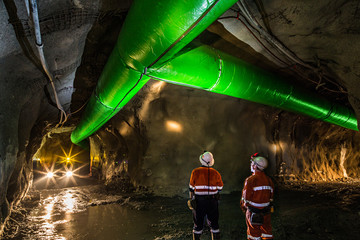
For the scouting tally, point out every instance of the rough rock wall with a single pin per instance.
(157, 138)
(322, 35)
(315, 151)
(331, 25)
(25, 93)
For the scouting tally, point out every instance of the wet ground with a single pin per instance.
(302, 211)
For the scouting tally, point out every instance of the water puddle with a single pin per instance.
(88, 213)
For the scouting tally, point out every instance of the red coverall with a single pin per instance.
(257, 193)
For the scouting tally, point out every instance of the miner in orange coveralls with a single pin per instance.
(256, 201)
(205, 185)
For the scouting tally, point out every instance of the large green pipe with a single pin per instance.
(209, 69)
(153, 32)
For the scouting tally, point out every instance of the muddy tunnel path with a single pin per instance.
(302, 211)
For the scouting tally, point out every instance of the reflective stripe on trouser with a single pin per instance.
(254, 238)
(257, 231)
(209, 208)
(266, 236)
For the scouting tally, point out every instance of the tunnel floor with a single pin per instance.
(302, 211)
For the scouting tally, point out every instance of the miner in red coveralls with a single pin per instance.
(205, 185)
(256, 201)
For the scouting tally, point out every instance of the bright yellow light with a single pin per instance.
(68, 158)
(50, 174)
(173, 126)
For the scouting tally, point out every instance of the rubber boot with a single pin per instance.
(215, 236)
(196, 236)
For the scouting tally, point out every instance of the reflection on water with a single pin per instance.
(68, 202)
(49, 206)
(83, 213)
(52, 211)
(79, 213)
(44, 219)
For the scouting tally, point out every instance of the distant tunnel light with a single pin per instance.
(69, 173)
(50, 174)
(173, 126)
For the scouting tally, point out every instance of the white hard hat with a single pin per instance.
(260, 162)
(207, 159)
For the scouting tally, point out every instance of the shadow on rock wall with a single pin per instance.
(157, 138)
(317, 151)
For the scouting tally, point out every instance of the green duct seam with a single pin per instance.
(328, 114)
(211, 13)
(154, 38)
(220, 72)
(348, 118)
(185, 33)
(132, 88)
(332, 111)
(103, 104)
(287, 99)
(116, 108)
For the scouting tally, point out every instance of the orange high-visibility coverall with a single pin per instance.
(205, 183)
(258, 193)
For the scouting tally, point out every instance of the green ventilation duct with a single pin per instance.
(153, 32)
(148, 46)
(209, 69)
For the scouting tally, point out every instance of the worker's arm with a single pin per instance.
(192, 186)
(244, 196)
(191, 195)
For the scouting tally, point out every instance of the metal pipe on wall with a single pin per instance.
(39, 46)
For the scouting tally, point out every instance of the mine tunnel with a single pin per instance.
(107, 105)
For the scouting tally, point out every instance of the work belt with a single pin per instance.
(265, 210)
(203, 197)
